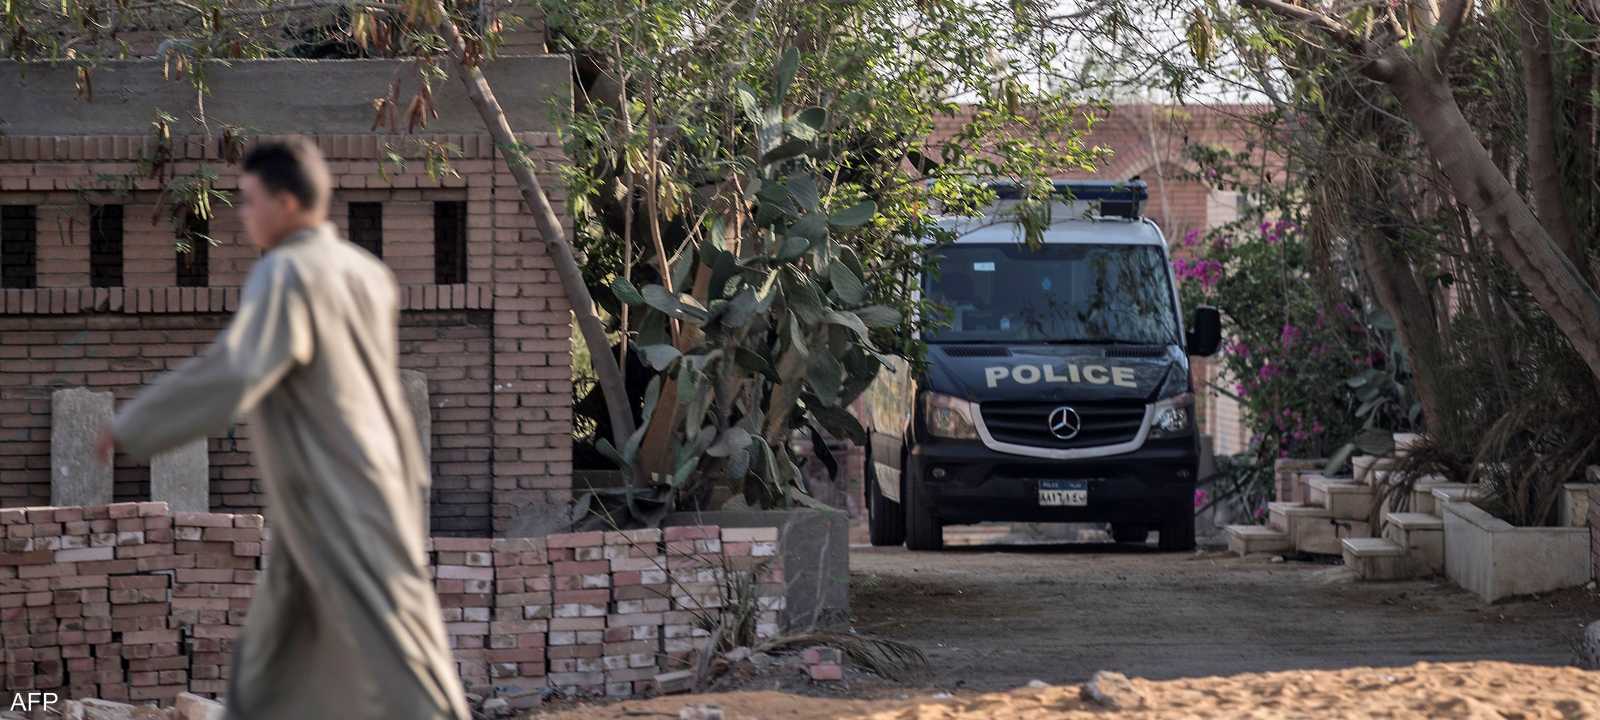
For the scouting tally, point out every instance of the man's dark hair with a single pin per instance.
(294, 166)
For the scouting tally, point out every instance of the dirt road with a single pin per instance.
(995, 617)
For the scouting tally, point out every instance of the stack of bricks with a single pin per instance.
(125, 601)
(521, 618)
(580, 584)
(641, 597)
(132, 602)
(464, 576)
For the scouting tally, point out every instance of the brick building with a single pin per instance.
(101, 288)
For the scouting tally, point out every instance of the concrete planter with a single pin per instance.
(1495, 560)
(1575, 498)
(815, 547)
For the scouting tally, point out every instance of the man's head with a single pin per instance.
(284, 188)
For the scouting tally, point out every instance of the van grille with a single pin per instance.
(1028, 423)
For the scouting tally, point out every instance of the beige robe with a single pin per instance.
(345, 622)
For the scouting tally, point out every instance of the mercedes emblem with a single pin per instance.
(1065, 423)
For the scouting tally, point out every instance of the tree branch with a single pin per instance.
(1544, 171)
(1324, 23)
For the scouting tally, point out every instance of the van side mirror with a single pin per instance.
(1205, 333)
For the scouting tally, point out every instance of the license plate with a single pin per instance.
(1063, 493)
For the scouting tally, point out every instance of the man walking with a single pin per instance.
(345, 623)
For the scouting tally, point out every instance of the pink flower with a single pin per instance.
(1191, 238)
(1201, 498)
(1288, 335)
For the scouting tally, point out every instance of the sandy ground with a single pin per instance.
(1454, 690)
(1203, 635)
(995, 617)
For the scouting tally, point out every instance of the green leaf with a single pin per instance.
(732, 440)
(786, 150)
(793, 247)
(797, 338)
(855, 215)
(813, 227)
(657, 356)
(787, 66)
(682, 307)
(849, 320)
(846, 286)
(741, 309)
(801, 294)
(752, 361)
(604, 446)
(804, 190)
(826, 377)
(1339, 459)
(626, 293)
(878, 316)
(812, 117)
(747, 102)
(839, 422)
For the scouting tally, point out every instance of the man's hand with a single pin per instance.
(105, 446)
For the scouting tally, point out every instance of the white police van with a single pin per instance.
(1060, 390)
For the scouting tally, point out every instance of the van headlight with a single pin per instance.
(1173, 416)
(948, 417)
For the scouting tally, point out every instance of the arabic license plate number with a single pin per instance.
(1063, 493)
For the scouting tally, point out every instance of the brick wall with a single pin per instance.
(132, 602)
(496, 349)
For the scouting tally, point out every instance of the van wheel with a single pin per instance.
(923, 529)
(1177, 533)
(886, 521)
(1129, 533)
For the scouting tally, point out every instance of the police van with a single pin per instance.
(1058, 391)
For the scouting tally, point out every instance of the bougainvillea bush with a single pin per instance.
(1289, 353)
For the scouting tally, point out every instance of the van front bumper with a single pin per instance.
(965, 482)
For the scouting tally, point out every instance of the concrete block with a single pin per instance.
(77, 477)
(1494, 560)
(815, 550)
(182, 478)
(415, 385)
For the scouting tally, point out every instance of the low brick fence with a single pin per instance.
(132, 602)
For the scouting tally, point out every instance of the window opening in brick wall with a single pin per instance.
(19, 246)
(366, 226)
(194, 253)
(105, 245)
(450, 242)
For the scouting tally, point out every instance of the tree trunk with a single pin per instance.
(608, 373)
(1556, 283)
(1544, 171)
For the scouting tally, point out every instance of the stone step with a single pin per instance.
(1422, 493)
(1255, 539)
(1376, 559)
(1422, 536)
(1371, 469)
(1344, 499)
(1454, 492)
(1323, 535)
(1285, 515)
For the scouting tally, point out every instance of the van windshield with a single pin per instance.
(1077, 293)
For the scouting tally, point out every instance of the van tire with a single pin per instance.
(923, 529)
(886, 521)
(1177, 533)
